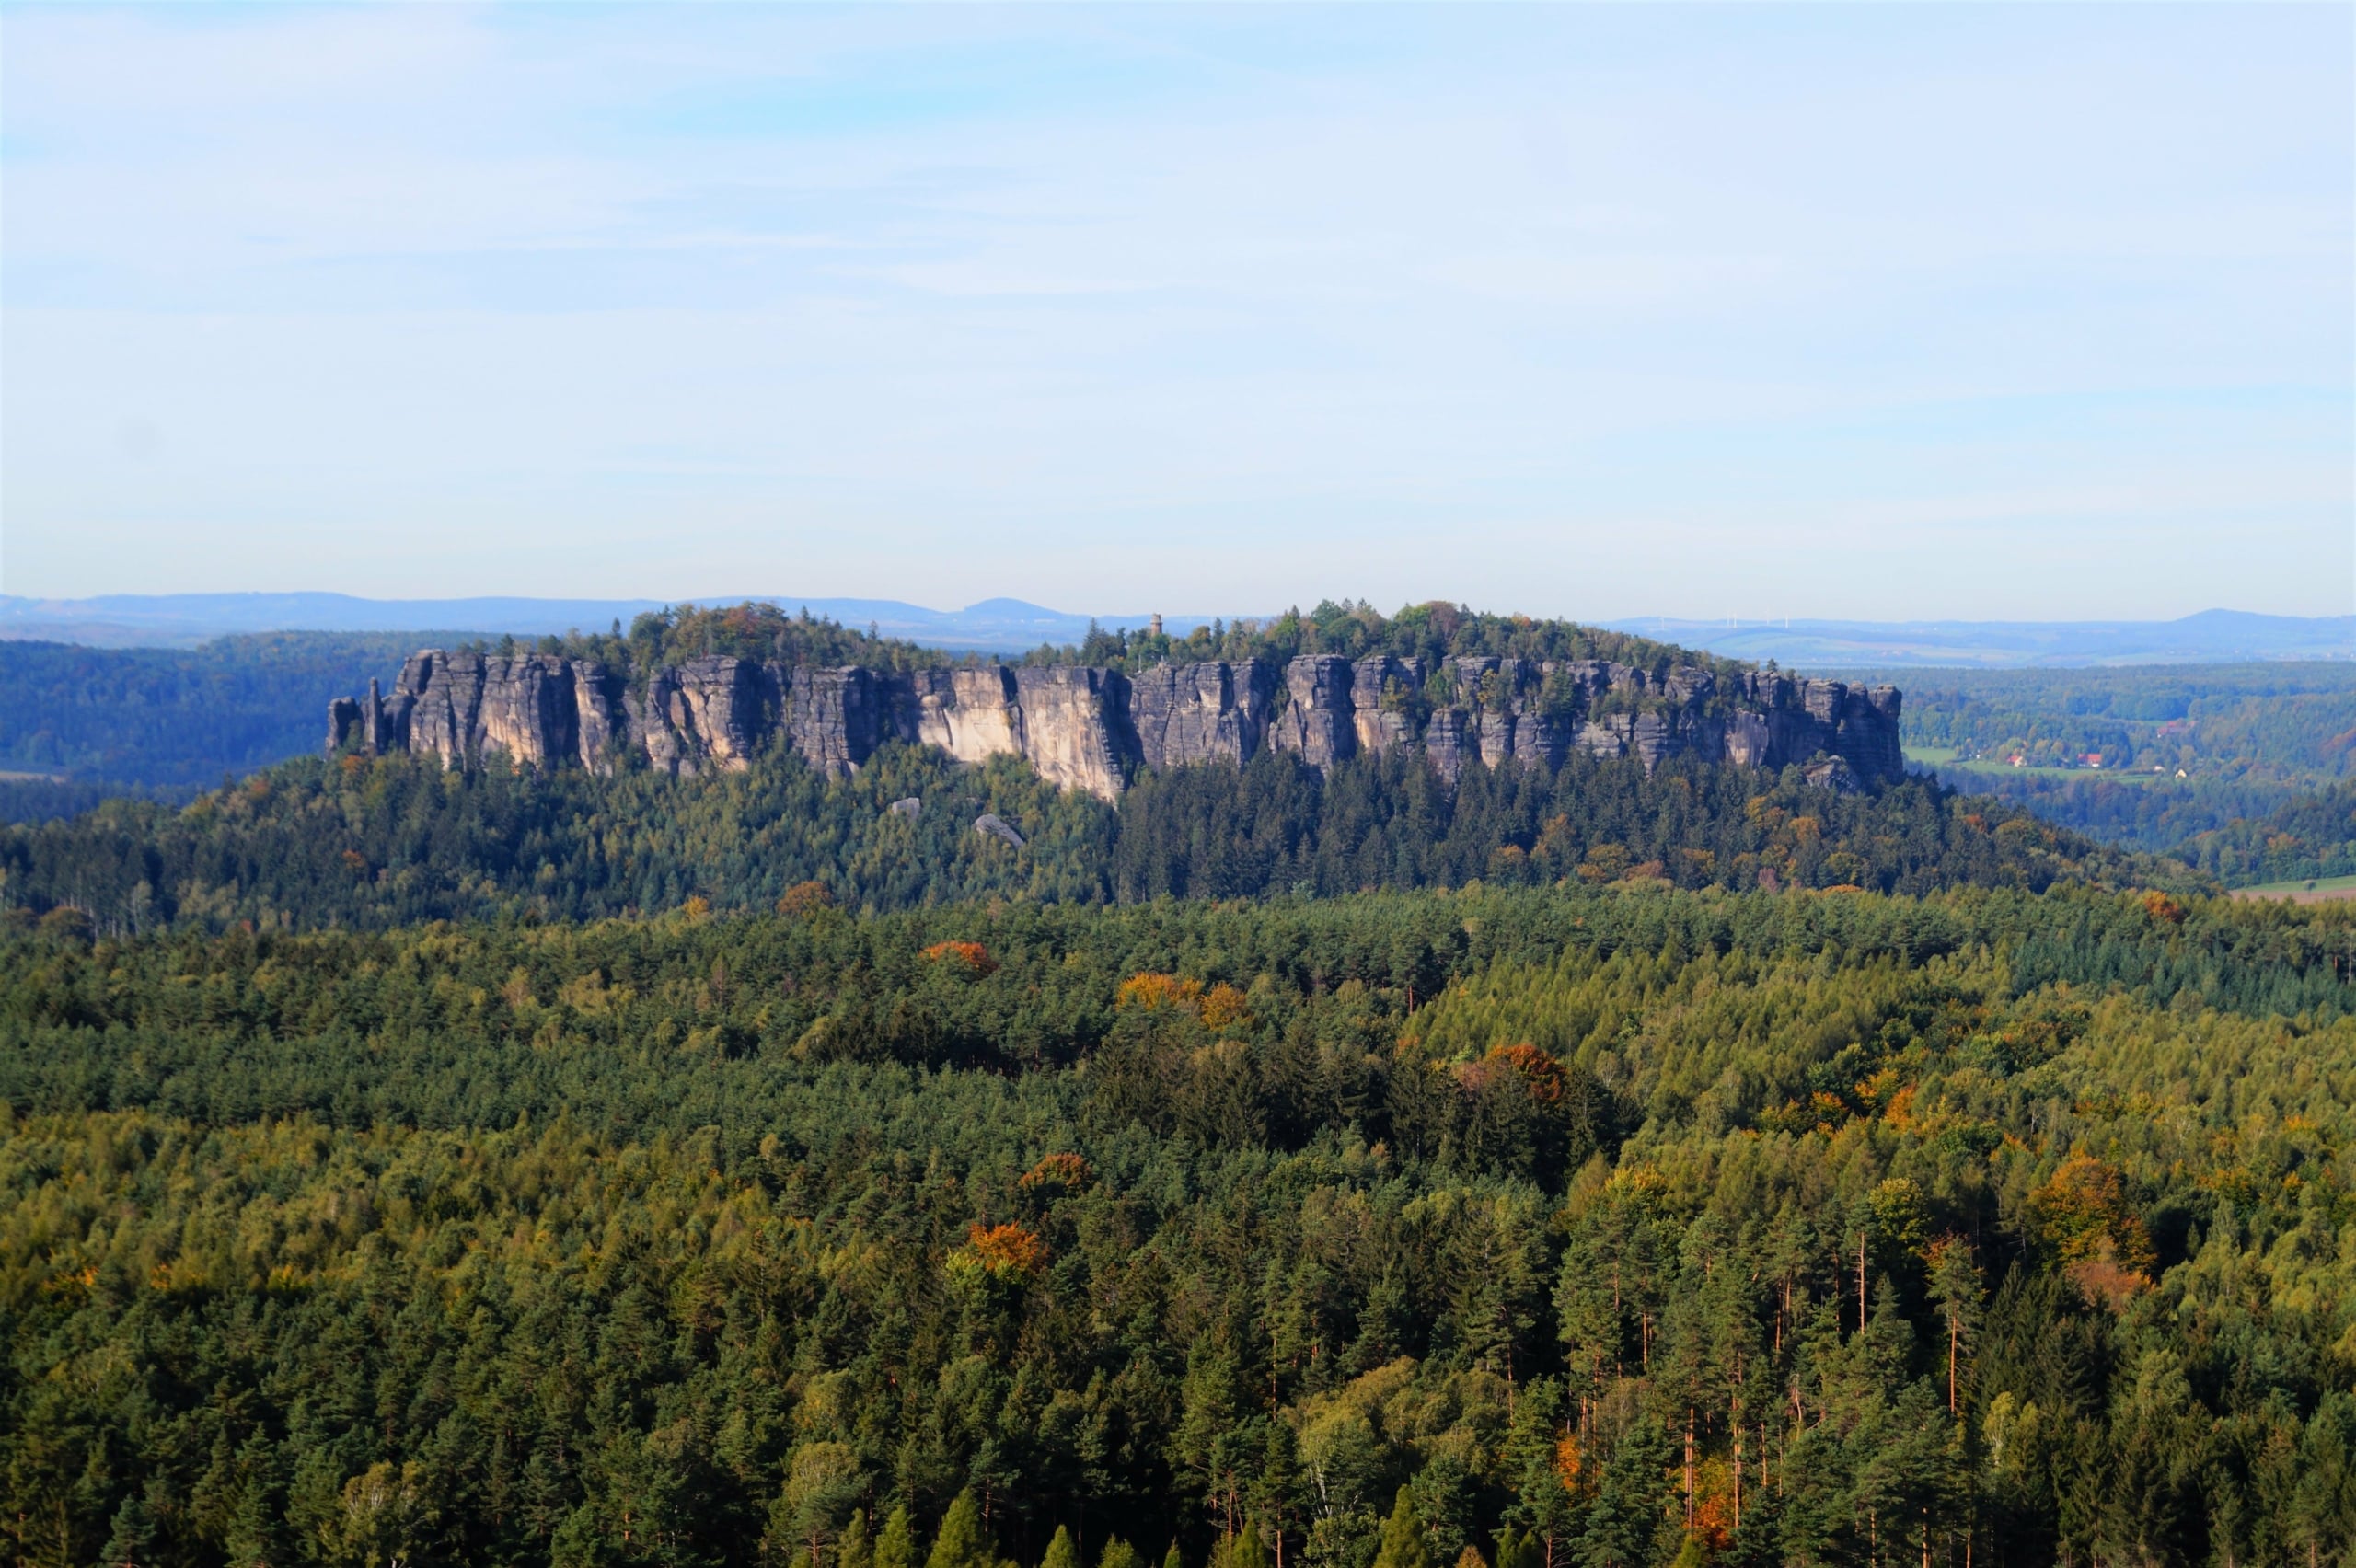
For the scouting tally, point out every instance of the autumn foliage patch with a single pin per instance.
(972, 956)
(1006, 1250)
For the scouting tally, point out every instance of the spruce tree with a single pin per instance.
(1404, 1544)
(1061, 1553)
(963, 1542)
(854, 1549)
(133, 1532)
(897, 1547)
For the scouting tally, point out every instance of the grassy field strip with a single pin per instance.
(1943, 759)
(2319, 890)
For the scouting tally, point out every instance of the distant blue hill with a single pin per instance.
(121, 620)
(2211, 637)
(128, 620)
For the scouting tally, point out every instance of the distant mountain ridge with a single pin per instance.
(120, 620)
(2210, 637)
(127, 620)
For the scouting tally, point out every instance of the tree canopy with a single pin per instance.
(1641, 1225)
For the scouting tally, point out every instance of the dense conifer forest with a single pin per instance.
(2311, 836)
(371, 842)
(1350, 628)
(1569, 1225)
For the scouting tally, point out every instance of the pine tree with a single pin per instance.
(1061, 1553)
(133, 1532)
(258, 1531)
(1119, 1554)
(1534, 1458)
(1954, 1286)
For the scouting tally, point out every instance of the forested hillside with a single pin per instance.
(170, 716)
(1579, 1166)
(2276, 722)
(360, 841)
(2235, 769)
(1352, 629)
(1598, 1227)
(2308, 837)
(2143, 814)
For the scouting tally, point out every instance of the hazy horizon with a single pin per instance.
(1998, 314)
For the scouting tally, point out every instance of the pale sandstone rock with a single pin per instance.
(995, 827)
(971, 714)
(1072, 719)
(1089, 729)
(1444, 742)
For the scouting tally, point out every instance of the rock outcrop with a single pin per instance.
(1091, 729)
(1184, 713)
(990, 824)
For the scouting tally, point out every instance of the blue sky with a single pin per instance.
(1999, 312)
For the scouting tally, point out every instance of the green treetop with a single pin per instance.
(1403, 1542)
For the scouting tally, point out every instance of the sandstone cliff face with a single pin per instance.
(1185, 713)
(1091, 729)
(1382, 690)
(467, 706)
(1318, 722)
(971, 714)
(1074, 724)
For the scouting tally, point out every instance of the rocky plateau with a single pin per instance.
(1092, 729)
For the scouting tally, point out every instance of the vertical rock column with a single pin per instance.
(1318, 724)
(1379, 729)
(439, 697)
(601, 723)
(525, 711)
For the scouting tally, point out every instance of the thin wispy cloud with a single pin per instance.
(1984, 311)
